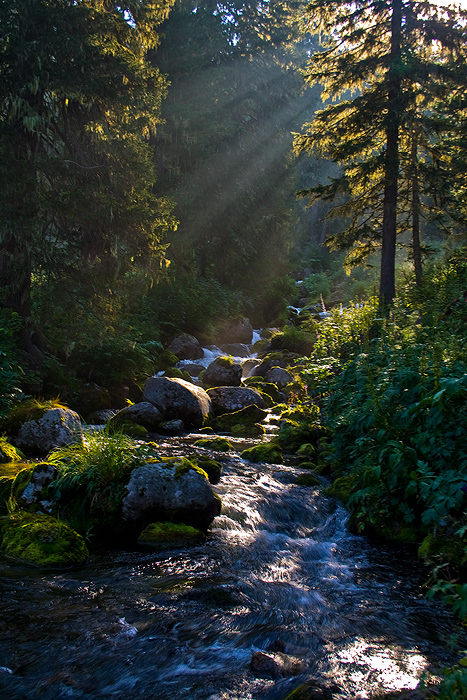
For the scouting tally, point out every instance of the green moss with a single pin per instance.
(176, 373)
(182, 466)
(307, 480)
(245, 416)
(133, 430)
(8, 453)
(219, 502)
(164, 535)
(212, 468)
(342, 487)
(440, 548)
(225, 362)
(6, 483)
(255, 430)
(310, 691)
(42, 541)
(264, 452)
(220, 444)
(293, 434)
(306, 450)
(164, 360)
(307, 465)
(402, 534)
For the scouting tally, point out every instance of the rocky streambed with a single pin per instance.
(279, 593)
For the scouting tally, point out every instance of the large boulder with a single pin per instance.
(279, 376)
(223, 371)
(186, 347)
(236, 349)
(56, 428)
(238, 330)
(178, 399)
(226, 399)
(174, 491)
(143, 413)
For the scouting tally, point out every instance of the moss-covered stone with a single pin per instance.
(30, 409)
(212, 468)
(306, 450)
(249, 415)
(307, 480)
(134, 430)
(342, 487)
(307, 465)
(310, 691)
(182, 466)
(255, 430)
(219, 444)
(293, 434)
(176, 373)
(42, 541)
(6, 483)
(167, 535)
(264, 452)
(9, 453)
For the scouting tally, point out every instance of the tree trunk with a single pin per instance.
(416, 244)
(391, 176)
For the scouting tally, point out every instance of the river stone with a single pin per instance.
(276, 664)
(238, 330)
(223, 372)
(56, 428)
(178, 399)
(143, 413)
(248, 366)
(279, 376)
(172, 427)
(169, 491)
(186, 347)
(236, 349)
(226, 399)
(248, 416)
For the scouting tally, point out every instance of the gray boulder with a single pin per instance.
(239, 330)
(226, 399)
(169, 491)
(236, 349)
(279, 376)
(223, 372)
(186, 347)
(178, 399)
(56, 428)
(143, 413)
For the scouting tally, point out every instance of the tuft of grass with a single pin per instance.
(30, 409)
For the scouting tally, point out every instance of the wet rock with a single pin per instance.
(279, 376)
(248, 416)
(248, 365)
(269, 452)
(143, 413)
(276, 664)
(172, 427)
(236, 349)
(174, 491)
(178, 399)
(194, 370)
(238, 330)
(226, 399)
(101, 417)
(166, 535)
(281, 359)
(223, 371)
(186, 347)
(30, 486)
(312, 690)
(56, 428)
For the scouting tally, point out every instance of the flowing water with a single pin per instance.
(279, 573)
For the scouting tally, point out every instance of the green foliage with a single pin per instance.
(10, 370)
(9, 453)
(293, 339)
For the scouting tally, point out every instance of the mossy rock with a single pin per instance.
(6, 483)
(293, 434)
(270, 390)
(255, 430)
(269, 452)
(440, 548)
(343, 487)
(9, 453)
(42, 541)
(182, 466)
(134, 430)
(31, 409)
(308, 465)
(167, 535)
(307, 480)
(310, 691)
(249, 415)
(176, 373)
(219, 444)
(306, 450)
(165, 359)
(212, 467)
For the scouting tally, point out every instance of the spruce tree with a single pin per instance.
(380, 55)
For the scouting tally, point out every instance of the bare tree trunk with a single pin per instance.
(388, 252)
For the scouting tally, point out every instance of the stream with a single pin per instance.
(279, 573)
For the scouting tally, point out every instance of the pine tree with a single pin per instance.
(79, 102)
(381, 55)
